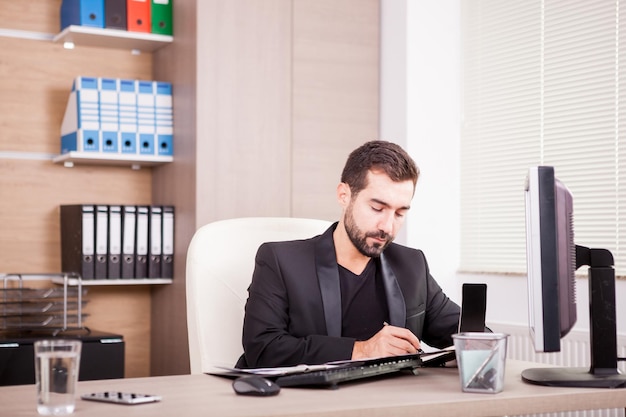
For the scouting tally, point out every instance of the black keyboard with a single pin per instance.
(359, 370)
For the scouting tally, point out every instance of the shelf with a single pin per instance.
(98, 158)
(104, 282)
(112, 38)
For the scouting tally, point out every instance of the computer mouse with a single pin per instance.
(255, 385)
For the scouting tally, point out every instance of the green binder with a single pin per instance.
(161, 11)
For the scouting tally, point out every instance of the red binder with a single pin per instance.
(138, 15)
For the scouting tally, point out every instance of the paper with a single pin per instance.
(283, 370)
(438, 357)
(303, 368)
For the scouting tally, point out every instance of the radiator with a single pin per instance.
(574, 352)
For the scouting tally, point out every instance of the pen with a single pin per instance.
(482, 367)
(419, 351)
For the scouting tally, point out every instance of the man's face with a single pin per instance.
(373, 217)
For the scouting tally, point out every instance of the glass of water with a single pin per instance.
(56, 374)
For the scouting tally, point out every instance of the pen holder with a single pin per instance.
(481, 359)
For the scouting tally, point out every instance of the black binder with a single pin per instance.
(115, 14)
(115, 243)
(77, 239)
(102, 239)
(141, 243)
(128, 241)
(167, 257)
(154, 241)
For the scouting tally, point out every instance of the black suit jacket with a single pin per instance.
(293, 311)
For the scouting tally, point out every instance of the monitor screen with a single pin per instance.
(552, 260)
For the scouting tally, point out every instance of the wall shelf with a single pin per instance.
(112, 38)
(108, 282)
(98, 158)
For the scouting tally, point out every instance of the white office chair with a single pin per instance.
(220, 262)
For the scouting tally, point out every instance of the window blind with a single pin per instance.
(543, 84)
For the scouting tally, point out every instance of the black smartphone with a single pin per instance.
(473, 308)
(127, 398)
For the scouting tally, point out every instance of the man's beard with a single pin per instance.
(359, 239)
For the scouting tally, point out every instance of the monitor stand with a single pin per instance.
(603, 372)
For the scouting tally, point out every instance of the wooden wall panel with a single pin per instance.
(124, 309)
(336, 50)
(284, 89)
(30, 195)
(176, 184)
(244, 90)
(36, 16)
(242, 160)
(279, 92)
(35, 81)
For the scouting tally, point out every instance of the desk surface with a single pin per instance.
(434, 392)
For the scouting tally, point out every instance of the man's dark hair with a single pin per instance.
(378, 155)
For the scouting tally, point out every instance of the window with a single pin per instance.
(544, 83)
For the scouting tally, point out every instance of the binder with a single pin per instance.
(167, 258)
(128, 241)
(115, 14)
(109, 114)
(82, 13)
(161, 17)
(138, 16)
(127, 100)
(80, 129)
(77, 239)
(102, 231)
(115, 243)
(141, 243)
(164, 118)
(154, 239)
(146, 117)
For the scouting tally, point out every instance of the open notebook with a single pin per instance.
(333, 373)
(329, 374)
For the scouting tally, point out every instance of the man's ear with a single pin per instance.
(343, 194)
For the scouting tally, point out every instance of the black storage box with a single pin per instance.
(102, 355)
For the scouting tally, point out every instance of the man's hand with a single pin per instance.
(389, 341)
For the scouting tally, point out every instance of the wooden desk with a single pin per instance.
(434, 392)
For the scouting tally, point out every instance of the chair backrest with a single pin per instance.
(220, 262)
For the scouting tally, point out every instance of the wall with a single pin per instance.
(269, 99)
(433, 119)
(420, 84)
(35, 80)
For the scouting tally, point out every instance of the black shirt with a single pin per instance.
(363, 302)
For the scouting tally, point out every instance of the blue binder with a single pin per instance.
(128, 116)
(82, 13)
(119, 116)
(164, 118)
(80, 129)
(109, 115)
(146, 117)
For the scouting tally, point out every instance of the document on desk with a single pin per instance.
(305, 368)
(438, 357)
(277, 371)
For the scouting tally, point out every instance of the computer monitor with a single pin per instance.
(552, 260)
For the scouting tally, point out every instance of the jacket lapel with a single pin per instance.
(328, 276)
(395, 300)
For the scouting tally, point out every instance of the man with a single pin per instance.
(349, 293)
